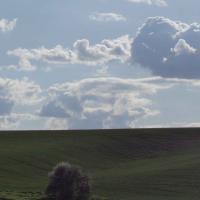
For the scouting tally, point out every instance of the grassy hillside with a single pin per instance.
(151, 164)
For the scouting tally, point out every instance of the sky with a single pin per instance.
(98, 64)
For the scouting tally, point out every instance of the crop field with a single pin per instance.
(138, 164)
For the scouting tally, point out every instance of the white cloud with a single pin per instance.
(88, 103)
(23, 92)
(24, 59)
(6, 25)
(107, 17)
(56, 124)
(13, 120)
(8, 122)
(17, 92)
(173, 125)
(183, 48)
(101, 103)
(14, 93)
(97, 103)
(168, 48)
(82, 53)
(160, 3)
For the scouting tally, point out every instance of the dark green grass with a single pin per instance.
(146, 164)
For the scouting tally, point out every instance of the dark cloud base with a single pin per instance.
(168, 48)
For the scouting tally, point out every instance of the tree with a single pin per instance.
(67, 182)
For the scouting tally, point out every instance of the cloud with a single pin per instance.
(183, 48)
(160, 3)
(23, 92)
(107, 17)
(6, 25)
(8, 122)
(168, 48)
(86, 104)
(173, 125)
(24, 59)
(56, 124)
(100, 103)
(82, 53)
(17, 92)
(97, 103)
(13, 120)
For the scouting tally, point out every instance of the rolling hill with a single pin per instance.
(138, 164)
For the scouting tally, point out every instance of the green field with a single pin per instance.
(146, 164)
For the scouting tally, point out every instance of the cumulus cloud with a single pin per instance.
(168, 48)
(14, 93)
(6, 25)
(13, 120)
(24, 59)
(8, 122)
(100, 103)
(56, 124)
(183, 48)
(160, 3)
(107, 17)
(82, 53)
(23, 92)
(17, 92)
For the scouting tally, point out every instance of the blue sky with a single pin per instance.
(99, 64)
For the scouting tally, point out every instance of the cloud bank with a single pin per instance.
(82, 53)
(168, 48)
(100, 103)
